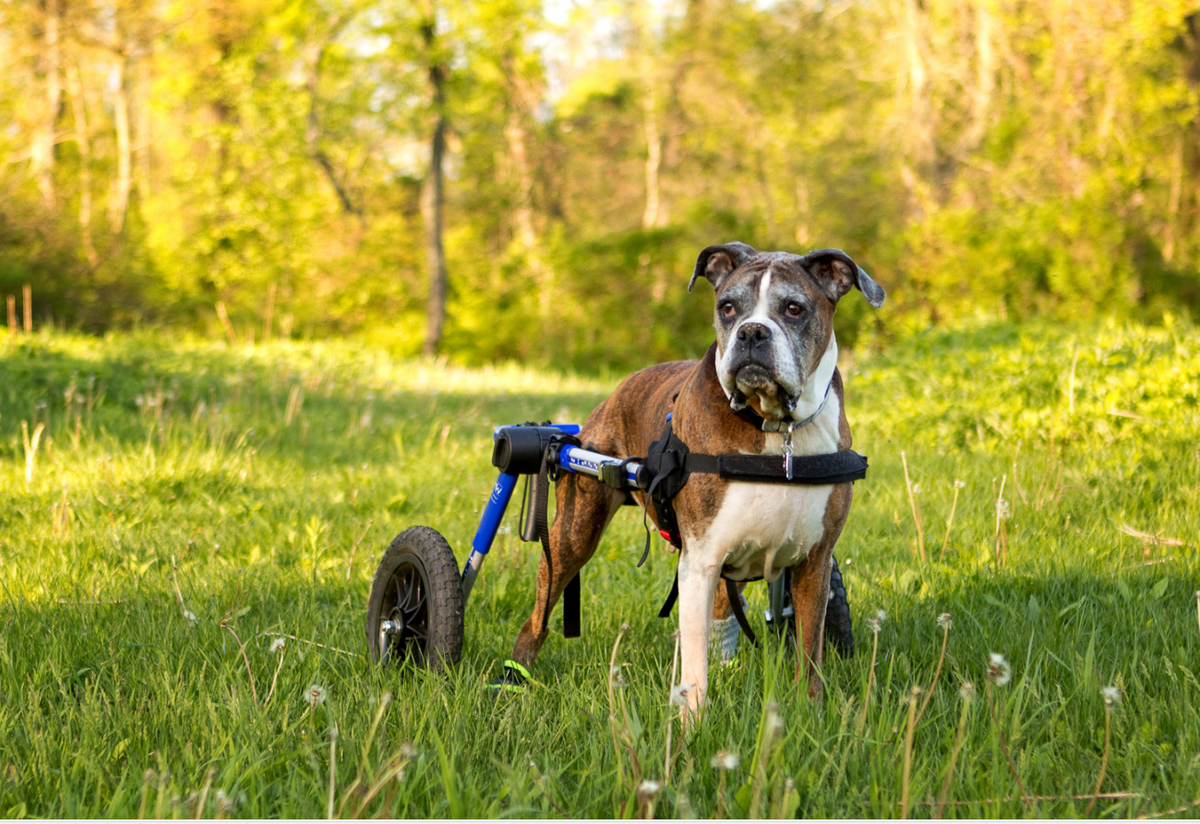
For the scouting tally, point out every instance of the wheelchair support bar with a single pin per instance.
(517, 451)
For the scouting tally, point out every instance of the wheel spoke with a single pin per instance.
(408, 589)
(400, 595)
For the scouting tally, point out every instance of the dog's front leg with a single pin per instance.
(698, 577)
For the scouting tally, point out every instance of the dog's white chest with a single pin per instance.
(761, 529)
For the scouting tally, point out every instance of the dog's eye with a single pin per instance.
(794, 310)
(728, 310)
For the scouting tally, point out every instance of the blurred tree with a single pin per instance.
(508, 178)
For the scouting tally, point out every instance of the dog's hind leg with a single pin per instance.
(725, 629)
(584, 508)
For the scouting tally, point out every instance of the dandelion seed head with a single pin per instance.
(679, 693)
(409, 750)
(916, 489)
(277, 645)
(224, 802)
(1002, 508)
(725, 760)
(625, 627)
(967, 691)
(1111, 696)
(999, 670)
(944, 621)
(958, 484)
(314, 695)
(649, 788)
(774, 722)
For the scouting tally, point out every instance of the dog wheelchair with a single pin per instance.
(418, 596)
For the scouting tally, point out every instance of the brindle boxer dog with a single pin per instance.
(776, 353)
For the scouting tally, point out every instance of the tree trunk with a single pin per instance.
(985, 78)
(434, 194)
(650, 216)
(920, 151)
(83, 141)
(119, 204)
(434, 199)
(42, 148)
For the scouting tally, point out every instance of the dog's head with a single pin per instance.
(774, 323)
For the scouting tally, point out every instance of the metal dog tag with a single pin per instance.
(787, 450)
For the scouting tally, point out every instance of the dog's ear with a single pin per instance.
(836, 273)
(716, 262)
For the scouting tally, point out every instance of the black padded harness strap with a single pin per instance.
(572, 623)
(670, 463)
(735, 603)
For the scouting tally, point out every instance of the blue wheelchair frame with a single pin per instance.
(569, 457)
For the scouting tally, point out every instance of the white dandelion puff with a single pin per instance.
(679, 693)
(967, 691)
(725, 760)
(958, 484)
(649, 788)
(999, 670)
(774, 722)
(1002, 509)
(314, 695)
(944, 621)
(277, 645)
(1111, 696)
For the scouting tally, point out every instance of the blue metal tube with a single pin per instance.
(489, 522)
(585, 462)
(493, 513)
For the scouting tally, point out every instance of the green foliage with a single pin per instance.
(989, 159)
(182, 476)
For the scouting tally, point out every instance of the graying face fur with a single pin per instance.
(774, 321)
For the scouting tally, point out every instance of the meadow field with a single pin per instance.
(174, 508)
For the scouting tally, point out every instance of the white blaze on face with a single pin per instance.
(786, 371)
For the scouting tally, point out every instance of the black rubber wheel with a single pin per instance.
(415, 612)
(839, 633)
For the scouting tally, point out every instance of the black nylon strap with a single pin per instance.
(735, 602)
(541, 523)
(571, 612)
(571, 621)
(672, 596)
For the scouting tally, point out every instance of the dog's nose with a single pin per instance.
(753, 333)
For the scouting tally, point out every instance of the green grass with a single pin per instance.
(174, 462)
